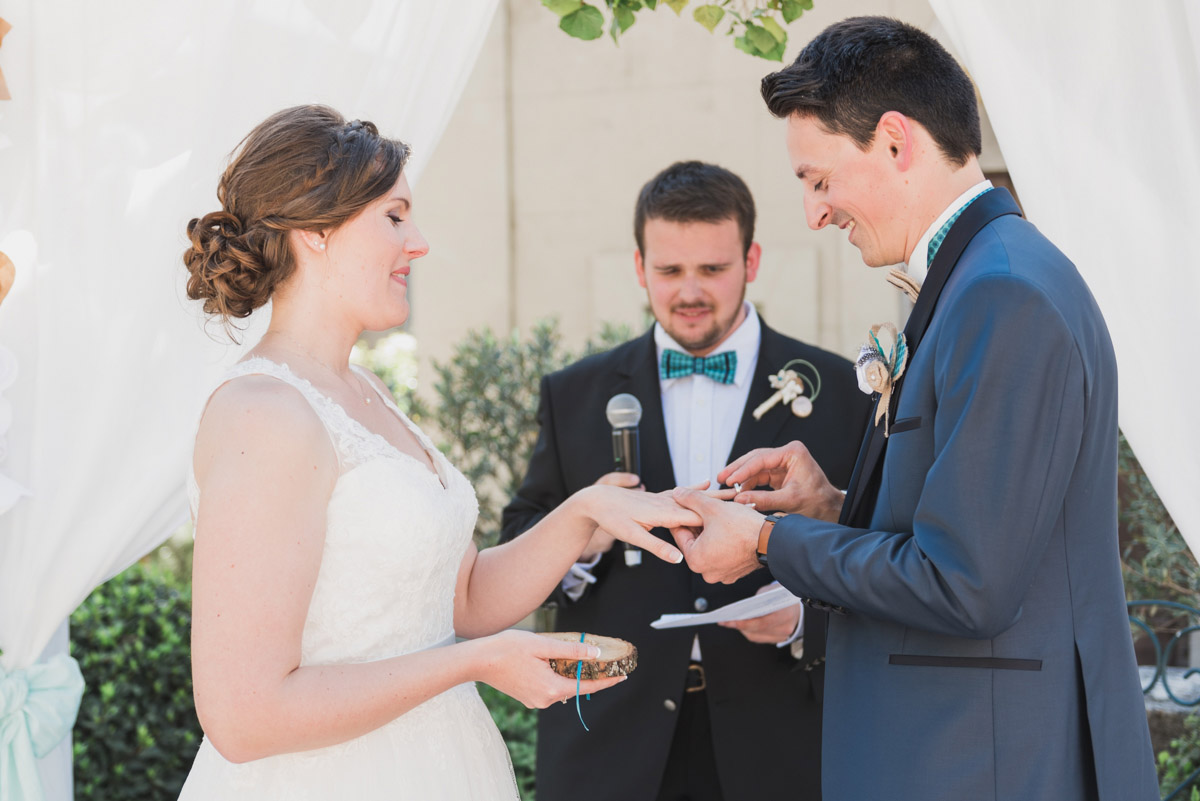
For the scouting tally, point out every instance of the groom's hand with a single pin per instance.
(723, 547)
(798, 485)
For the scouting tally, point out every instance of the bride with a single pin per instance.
(334, 568)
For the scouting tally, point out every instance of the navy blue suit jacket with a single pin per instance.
(985, 651)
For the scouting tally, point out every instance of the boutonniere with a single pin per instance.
(880, 364)
(789, 385)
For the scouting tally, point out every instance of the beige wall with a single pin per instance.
(528, 200)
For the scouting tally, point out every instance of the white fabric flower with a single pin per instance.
(867, 357)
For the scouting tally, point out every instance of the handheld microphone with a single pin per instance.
(624, 412)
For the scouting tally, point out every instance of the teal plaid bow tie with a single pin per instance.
(720, 367)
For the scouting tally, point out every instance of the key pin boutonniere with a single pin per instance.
(789, 385)
(880, 364)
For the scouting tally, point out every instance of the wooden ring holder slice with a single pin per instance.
(617, 657)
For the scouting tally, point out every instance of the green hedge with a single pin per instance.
(137, 732)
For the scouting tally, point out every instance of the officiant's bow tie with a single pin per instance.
(905, 282)
(720, 367)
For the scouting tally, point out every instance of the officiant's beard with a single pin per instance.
(699, 343)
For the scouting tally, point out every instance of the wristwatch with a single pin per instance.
(764, 536)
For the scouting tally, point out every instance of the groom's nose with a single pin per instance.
(817, 212)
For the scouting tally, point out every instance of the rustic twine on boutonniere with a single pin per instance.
(880, 364)
(905, 283)
(789, 386)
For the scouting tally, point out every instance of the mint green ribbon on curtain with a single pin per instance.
(38, 705)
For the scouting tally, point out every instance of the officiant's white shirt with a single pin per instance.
(702, 417)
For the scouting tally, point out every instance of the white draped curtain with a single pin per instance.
(121, 120)
(1096, 107)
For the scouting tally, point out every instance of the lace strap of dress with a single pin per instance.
(332, 416)
(442, 466)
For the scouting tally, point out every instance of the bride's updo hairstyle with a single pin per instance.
(303, 168)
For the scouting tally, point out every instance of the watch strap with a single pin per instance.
(764, 536)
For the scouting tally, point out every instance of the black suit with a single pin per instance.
(764, 706)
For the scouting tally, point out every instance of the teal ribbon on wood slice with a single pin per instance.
(578, 677)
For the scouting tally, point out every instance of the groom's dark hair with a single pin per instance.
(858, 69)
(693, 191)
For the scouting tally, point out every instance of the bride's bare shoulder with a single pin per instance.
(260, 420)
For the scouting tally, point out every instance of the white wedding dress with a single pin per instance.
(395, 537)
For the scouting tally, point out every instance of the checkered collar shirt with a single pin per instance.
(701, 415)
(918, 265)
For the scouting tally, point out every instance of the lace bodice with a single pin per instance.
(395, 537)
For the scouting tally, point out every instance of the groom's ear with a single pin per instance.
(895, 133)
(640, 267)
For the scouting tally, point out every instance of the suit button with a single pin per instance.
(669, 705)
(701, 605)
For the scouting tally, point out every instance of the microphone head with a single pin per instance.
(623, 411)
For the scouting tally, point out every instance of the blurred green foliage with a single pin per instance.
(393, 357)
(136, 733)
(487, 402)
(1157, 562)
(755, 25)
(1176, 765)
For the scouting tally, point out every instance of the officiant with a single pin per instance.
(712, 712)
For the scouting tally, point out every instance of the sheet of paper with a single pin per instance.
(755, 606)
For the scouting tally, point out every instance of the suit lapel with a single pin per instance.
(638, 375)
(762, 433)
(864, 482)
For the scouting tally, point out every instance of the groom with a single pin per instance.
(980, 647)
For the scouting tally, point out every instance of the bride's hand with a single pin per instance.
(516, 663)
(629, 516)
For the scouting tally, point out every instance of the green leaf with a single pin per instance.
(676, 5)
(708, 16)
(743, 44)
(774, 29)
(563, 7)
(761, 38)
(792, 9)
(587, 23)
(624, 17)
(650, 4)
